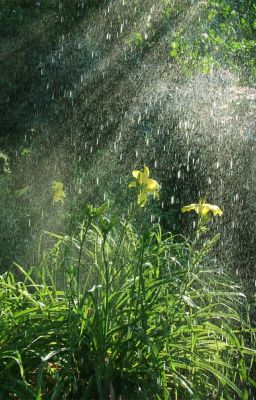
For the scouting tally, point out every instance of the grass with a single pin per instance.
(109, 313)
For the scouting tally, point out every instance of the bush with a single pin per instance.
(111, 313)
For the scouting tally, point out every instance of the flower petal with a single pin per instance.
(203, 209)
(136, 174)
(132, 184)
(57, 185)
(58, 192)
(142, 198)
(216, 210)
(143, 178)
(152, 186)
(58, 195)
(190, 208)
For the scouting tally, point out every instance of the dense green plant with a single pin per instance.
(224, 35)
(112, 313)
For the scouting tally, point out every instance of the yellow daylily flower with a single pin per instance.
(147, 186)
(58, 192)
(202, 209)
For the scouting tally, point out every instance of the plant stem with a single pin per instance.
(82, 239)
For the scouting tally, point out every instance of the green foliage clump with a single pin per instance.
(112, 313)
(137, 40)
(223, 35)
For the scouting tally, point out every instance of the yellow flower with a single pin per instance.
(58, 192)
(203, 208)
(146, 185)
